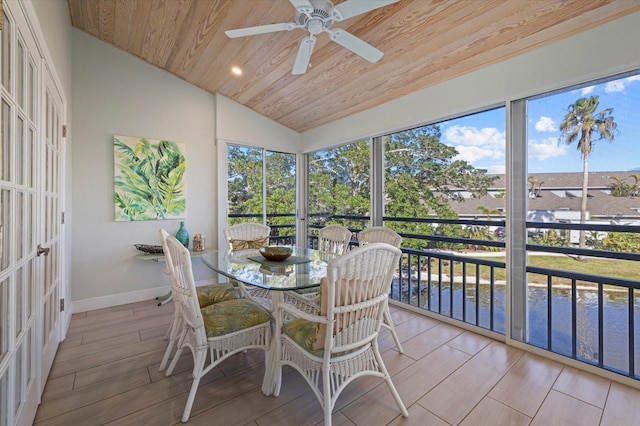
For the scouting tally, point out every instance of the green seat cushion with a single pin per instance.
(304, 333)
(237, 244)
(215, 293)
(232, 315)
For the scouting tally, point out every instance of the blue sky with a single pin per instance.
(480, 138)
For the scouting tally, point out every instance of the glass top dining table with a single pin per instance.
(303, 269)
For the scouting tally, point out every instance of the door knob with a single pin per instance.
(42, 250)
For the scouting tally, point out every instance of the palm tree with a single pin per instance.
(634, 188)
(619, 187)
(535, 187)
(583, 124)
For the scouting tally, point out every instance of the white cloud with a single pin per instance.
(546, 148)
(472, 136)
(475, 144)
(620, 85)
(615, 86)
(546, 124)
(496, 169)
(587, 90)
(474, 153)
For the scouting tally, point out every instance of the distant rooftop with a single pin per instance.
(562, 191)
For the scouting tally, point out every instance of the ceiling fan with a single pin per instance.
(317, 16)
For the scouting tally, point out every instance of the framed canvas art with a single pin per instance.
(149, 177)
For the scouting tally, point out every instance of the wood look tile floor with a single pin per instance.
(106, 372)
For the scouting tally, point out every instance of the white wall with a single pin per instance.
(608, 49)
(237, 123)
(115, 93)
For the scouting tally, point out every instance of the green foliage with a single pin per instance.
(422, 179)
(551, 238)
(150, 184)
(622, 241)
(594, 240)
(621, 188)
(339, 184)
(479, 233)
(583, 125)
(535, 186)
(246, 183)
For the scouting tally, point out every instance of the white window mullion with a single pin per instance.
(516, 326)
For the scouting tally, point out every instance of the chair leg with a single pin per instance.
(172, 335)
(199, 361)
(387, 378)
(388, 322)
(326, 394)
(176, 357)
(277, 373)
(167, 335)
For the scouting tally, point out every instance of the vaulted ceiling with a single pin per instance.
(425, 42)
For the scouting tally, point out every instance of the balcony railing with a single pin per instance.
(593, 318)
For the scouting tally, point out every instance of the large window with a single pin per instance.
(583, 199)
(552, 214)
(448, 170)
(262, 188)
(339, 187)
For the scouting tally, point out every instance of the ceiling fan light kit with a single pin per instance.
(317, 16)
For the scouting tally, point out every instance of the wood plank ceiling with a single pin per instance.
(425, 42)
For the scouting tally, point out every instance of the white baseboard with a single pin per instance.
(123, 298)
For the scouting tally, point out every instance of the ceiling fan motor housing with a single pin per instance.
(319, 19)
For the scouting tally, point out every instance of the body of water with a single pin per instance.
(615, 321)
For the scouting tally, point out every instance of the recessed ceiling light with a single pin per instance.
(236, 71)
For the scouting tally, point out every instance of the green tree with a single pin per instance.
(246, 183)
(582, 124)
(634, 191)
(489, 213)
(619, 187)
(339, 184)
(423, 178)
(535, 186)
(280, 171)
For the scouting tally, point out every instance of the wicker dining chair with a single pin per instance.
(334, 239)
(207, 295)
(381, 234)
(249, 236)
(339, 344)
(216, 332)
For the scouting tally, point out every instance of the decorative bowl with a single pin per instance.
(275, 252)
(148, 248)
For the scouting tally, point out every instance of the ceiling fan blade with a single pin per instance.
(303, 6)
(351, 8)
(356, 45)
(304, 55)
(261, 29)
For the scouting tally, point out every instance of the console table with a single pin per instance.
(159, 257)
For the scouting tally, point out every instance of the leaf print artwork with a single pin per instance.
(149, 179)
